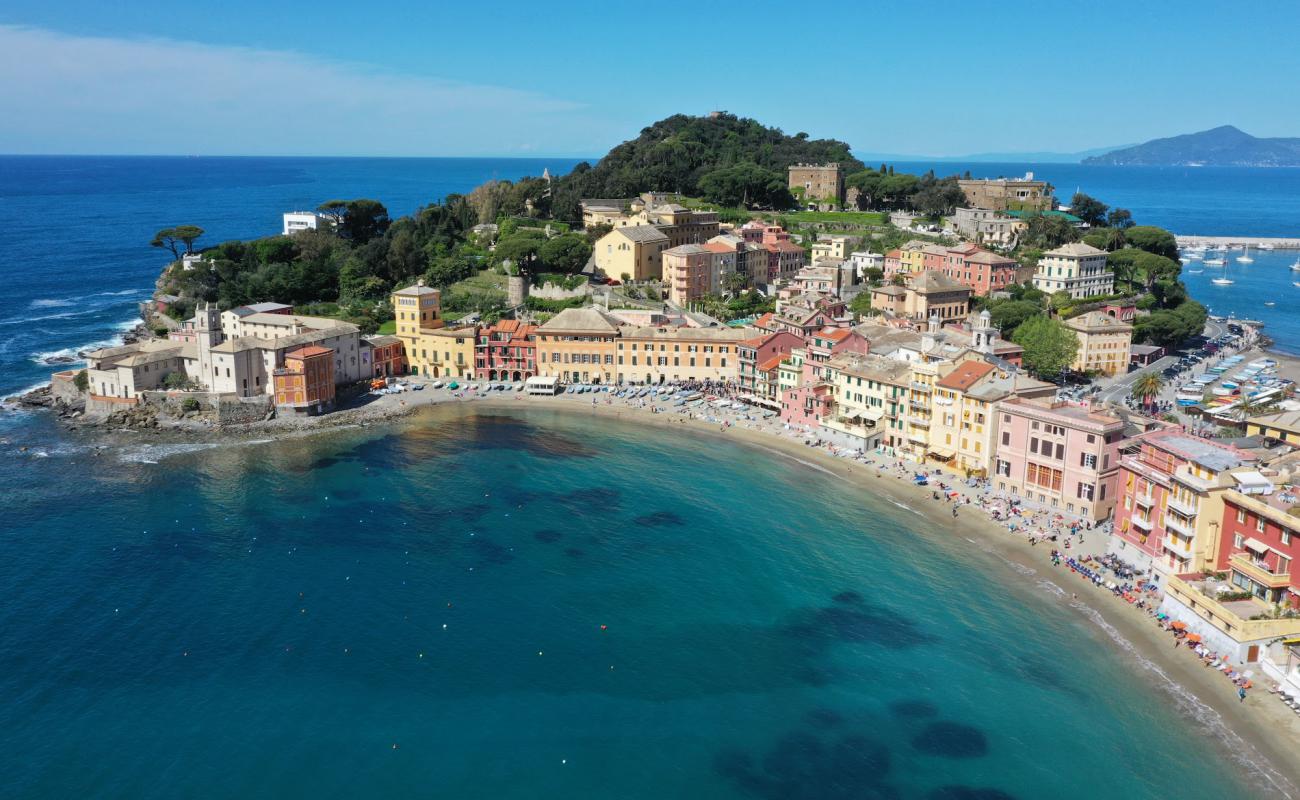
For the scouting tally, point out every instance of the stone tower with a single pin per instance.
(984, 336)
(207, 326)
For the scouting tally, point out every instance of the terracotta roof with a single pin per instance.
(718, 247)
(965, 375)
(770, 364)
(308, 351)
(583, 320)
(834, 334)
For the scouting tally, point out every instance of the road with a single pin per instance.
(1120, 389)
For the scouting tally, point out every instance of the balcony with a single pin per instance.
(1141, 522)
(1185, 477)
(917, 386)
(1145, 500)
(1259, 571)
(1184, 508)
(1173, 523)
(1179, 546)
(920, 422)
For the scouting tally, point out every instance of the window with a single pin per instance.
(1241, 516)
(1238, 541)
(1006, 438)
(1259, 525)
(1086, 491)
(1286, 536)
(1088, 460)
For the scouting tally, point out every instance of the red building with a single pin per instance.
(305, 384)
(759, 351)
(983, 271)
(1260, 541)
(506, 351)
(388, 357)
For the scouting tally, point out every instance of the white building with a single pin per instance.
(298, 221)
(1076, 268)
(863, 261)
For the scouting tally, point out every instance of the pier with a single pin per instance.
(1273, 242)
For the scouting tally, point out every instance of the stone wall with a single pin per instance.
(552, 291)
(223, 409)
(63, 388)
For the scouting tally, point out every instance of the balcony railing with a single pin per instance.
(1175, 524)
(1175, 504)
(1145, 500)
(917, 386)
(1260, 571)
(1178, 546)
(1141, 522)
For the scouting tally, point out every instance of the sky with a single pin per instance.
(501, 78)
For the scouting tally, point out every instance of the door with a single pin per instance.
(1252, 654)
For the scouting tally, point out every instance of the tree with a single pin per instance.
(1050, 347)
(523, 249)
(363, 220)
(1089, 209)
(1120, 218)
(336, 210)
(187, 234)
(167, 238)
(1008, 315)
(568, 253)
(1153, 240)
(1047, 232)
(873, 275)
(81, 380)
(1147, 388)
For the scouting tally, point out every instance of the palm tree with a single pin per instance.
(1147, 388)
(1249, 407)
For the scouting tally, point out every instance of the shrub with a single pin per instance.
(189, 404)
(81, 381)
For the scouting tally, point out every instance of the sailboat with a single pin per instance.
(1224, 280)
(1214, 262)
(1245, 258)
(1296, 266)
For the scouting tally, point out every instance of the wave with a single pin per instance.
(153, 453)
(1254, 764)
(72, 352)
(44, 303)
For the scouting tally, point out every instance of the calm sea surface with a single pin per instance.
(536, 605)
(268, 620)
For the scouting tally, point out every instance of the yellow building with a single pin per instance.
(870, 394)
(661, 355)
(432, 349)
(634, 250)
(963, 419)
(924, 294)
(1103, 343)
(577, 345)
(1283, 426)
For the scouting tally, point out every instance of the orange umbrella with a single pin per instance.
(1193, 637)
(1178, 626)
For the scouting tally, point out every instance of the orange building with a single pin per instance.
(305, 384)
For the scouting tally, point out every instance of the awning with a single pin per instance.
(1193, 637)
(1256, 546)
(942, 453)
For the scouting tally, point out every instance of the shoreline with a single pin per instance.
(1246, 731)
(1198, 693)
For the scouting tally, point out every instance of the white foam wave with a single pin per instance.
(48, 303)
(1238, 749)
(153, 453)
(71, 352)
(123, 293)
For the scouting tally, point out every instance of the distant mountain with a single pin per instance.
(1224, 146)
(1029, 157)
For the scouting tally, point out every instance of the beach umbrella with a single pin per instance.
(1178, 626)
(1193, 637)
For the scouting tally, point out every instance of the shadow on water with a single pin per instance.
(548, 536)
(803, 765)
(951, 740)
(913, 709)
(659, 519)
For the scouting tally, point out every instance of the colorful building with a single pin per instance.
(661, 354)
(1171, 487)
(983, 271)
(387, 356)
(925, 294)
(1104, 343)
(1077, 269)
(687, 272)
(870, 397)
(305, 384)
(759, 350)
(577, 346)
(506, 351)
(632, 252)
(1060, 455)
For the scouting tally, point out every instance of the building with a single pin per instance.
(299, 221)
(577, 345)
(305, 384)
(1076, 268)
(984, 272)
(722, 269)
(1171, 487)
(863, 260)
(653, 355)
(1245, 604)
(819, 186)
(604, 212)
(1008, 194)
(987, 227)
(832, 246)
(387, 356)
(506, 351)
(784, 260)
(1103, 344)
(688, 272)
(230, 320)
(926, 294)
(633, 252)
(448, 352)
(1144, 355)
(1282, 426)
(805, 313)
(1060, 455)
(870, 395)
(764, 349)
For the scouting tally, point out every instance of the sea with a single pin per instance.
(523, 604)
(535, 603)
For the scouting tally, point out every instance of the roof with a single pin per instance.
(417, 291)
(641, 233)
(308, 351)
(582, 320)
(687, 250)
(1076, 250)
(771, 364)
(718, 247)
(736, 335)
(382, 341)
(1282, 420)
(889, 289)
(934, 281)
(872, 367)
(965, 375)
(1205, 452)
(783, 246)
(986, 257)
(1097, 322)
(263, 308)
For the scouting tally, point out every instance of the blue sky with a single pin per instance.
(500, 78)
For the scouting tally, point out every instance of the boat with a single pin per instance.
(1214, 262)
(1295, 283)
(1195, 271)
(1245, 258)
(1295, 266)
(1265, 246)
(1269, 303)
(1224, 280)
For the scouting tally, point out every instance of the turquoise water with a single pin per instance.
(1269, 279)
(538, 605)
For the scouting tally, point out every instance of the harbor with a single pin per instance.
(1238, 242)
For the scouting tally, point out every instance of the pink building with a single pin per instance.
(760, 350)
(686, 272)
(828, 342)
(981, 270)
(1059, 455)
(784, 260)
(808, 404)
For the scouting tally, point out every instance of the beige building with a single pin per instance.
(1076, 268)
(1103, 343)
(688, 272)
(985, 226)
(820, 185)
(663, 354)
(870, 395)
(635, 251)
(1008, 194)
(924, 295)
(577, 345)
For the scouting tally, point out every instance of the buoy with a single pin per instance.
(602, 627)
(539, 652)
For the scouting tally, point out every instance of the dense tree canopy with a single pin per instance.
(1153, 240)
(1050, 347)
(1089, 209)
(748, 185)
